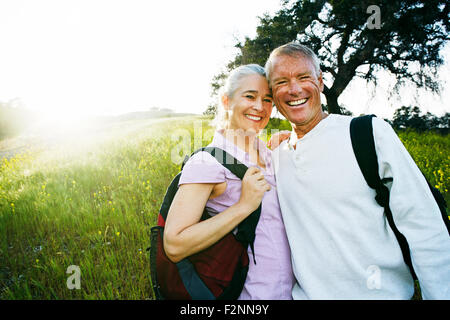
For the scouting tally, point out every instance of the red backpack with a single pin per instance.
(216, 273)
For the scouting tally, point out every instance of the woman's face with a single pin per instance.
(251, 105)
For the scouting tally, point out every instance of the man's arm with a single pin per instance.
(415, 212)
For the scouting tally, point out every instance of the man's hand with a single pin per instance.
(278, 138)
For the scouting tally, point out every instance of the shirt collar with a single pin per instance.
(293, 139)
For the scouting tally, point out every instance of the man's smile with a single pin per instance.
(299, 102)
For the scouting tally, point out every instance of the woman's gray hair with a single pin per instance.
(229, 89)
(292, 49)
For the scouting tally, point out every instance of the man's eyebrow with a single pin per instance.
(307, 73)
(279, 78)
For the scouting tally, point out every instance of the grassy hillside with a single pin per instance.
(90, 201)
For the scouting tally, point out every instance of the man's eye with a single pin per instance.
(249, 96)
(280, 82)
(268, 100)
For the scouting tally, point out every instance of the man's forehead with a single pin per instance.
(281, 61)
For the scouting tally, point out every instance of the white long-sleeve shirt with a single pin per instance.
(342, 245)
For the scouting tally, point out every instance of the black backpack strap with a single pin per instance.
(246, 229)
(363, 143)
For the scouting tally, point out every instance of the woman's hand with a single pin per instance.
(185, 234)
(278, 138)
(254, 185)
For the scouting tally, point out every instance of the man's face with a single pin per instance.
(296, 89)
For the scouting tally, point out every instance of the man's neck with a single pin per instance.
(302, 129)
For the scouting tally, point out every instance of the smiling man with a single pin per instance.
(342, 246)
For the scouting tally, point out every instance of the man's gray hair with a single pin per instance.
(292, 49)
(229, 89)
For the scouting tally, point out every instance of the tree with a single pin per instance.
(411, 117)
(353, 38)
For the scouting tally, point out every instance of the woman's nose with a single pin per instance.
(258, 105)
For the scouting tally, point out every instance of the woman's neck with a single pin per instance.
(245, 141)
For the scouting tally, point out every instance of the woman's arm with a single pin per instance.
(185, 234)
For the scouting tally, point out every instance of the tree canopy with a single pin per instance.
(353, 38)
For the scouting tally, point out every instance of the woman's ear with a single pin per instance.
(225, 102)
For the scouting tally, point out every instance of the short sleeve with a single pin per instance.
(202, 168)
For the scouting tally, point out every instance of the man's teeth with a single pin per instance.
(253, 117)
(297, 102)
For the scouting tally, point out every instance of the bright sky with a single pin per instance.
(116, 56)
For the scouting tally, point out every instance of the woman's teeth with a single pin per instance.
(297, 102)
(253, 117)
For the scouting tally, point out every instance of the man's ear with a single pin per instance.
(225, 102)
(320, 78)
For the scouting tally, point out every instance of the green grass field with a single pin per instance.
(91, 201)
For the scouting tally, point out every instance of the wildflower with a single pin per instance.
(99, 232)
(37, 260)
(117, 233)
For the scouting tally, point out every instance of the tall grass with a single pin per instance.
(91, 203)
(92, 208)
(431, 152)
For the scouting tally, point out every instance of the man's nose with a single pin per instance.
(294, 88)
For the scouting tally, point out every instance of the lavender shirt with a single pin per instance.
(271, 278)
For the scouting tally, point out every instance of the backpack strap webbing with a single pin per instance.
(246, 229)
(361, 134)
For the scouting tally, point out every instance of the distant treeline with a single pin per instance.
(14, 120)
(412, 118)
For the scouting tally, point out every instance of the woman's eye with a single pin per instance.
(268, 100)
(249, 96)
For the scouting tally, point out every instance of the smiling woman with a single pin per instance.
(246, 106)
(244, 86)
